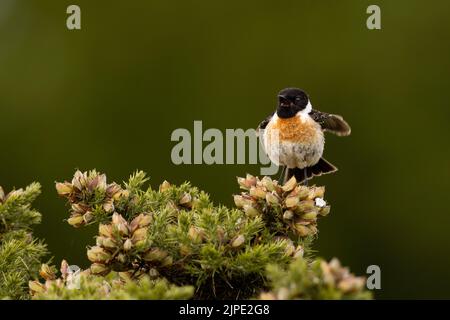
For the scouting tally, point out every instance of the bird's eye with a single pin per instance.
(297, 99)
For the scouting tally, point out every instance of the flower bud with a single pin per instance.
(239, 201)
(238, 241)
(196, 234)
(268, 184)
(108, 206)
(64, 269)
(164, 186)
(113, 190)
(272, 199)
(312, 229)
(109, 243)
(291, 202)
(245, 183)
(155, 254)
(186, 200)
(257, 192)
(96, 254)
(324, 211)
(121, 258)
(311, 215)
(302, 230)
(76, 221)
(290, 184)
(105, 230)
(88, 217)
(139, 235)
(267, 296)
(47, 272)
(250, 211)
(118, 219)
(288, 215)
(79, 208)
(36, 287)
(302, 192)
(122, 228)
(64, 189)
(99, 269)
(299, 251)
(351, 284)
(316, 192)
(127, 245)
(306, 205)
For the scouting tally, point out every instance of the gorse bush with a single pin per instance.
(172, 242)
(20, 253)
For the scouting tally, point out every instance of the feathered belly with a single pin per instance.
(294, 142)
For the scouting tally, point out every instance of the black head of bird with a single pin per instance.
(291, 101)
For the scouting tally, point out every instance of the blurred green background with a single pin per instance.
(109, 96)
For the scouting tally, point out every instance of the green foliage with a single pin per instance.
(174, 243)
(20, 254)
(112, 287)
(174, 232)
(316, 280)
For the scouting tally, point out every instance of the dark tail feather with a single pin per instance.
(320, 168)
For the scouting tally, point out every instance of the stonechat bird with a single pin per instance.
(293, 136)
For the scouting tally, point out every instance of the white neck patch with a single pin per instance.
(304, 114)
(307, 109)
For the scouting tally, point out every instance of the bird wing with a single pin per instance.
(331, 122)
(264, 123)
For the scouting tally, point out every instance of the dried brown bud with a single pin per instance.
(186, 200)
(88, 217)
(47, 272)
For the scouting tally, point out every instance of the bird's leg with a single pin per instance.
(305, 182)
(281, 179)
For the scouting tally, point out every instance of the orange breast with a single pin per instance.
(297, 130)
